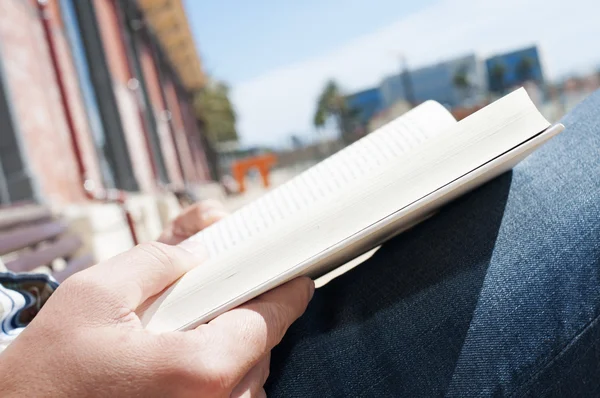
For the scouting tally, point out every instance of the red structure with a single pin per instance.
(262, 163)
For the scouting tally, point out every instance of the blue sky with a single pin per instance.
(240, 39)
(277, 55)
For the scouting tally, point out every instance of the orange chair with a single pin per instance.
(262, 163)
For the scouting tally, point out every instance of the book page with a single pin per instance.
(318, 183)
(351, 219)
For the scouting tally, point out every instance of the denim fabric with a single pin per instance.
(497, 295)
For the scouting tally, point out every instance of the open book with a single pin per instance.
(349, 204)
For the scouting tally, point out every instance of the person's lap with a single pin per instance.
(498, 294)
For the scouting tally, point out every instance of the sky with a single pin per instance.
(277, 55)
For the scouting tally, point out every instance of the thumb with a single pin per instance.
(144, 271)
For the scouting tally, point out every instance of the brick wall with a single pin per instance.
(35, 98)
(193, 139)
(127, 100)
(34, 95)
(179, 133)
(151, 75)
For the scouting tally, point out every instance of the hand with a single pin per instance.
(192, 220)
(88, 341)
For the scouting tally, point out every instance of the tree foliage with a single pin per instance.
(296, 141)
(462, 82)
(497, 75)
(213, 107)
(461, 79)
(332, 104)
(524, 69)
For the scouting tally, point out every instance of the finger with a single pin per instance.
(248, 332)
(142, 272)
(197, 217)
(193, 220)
(255, 379)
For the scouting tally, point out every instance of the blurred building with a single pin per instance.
(365, 104)
(511, 69)
(96, 92)
(388, 115)
(97, 95)
(451, 83)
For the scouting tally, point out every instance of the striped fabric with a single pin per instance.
(21, 298)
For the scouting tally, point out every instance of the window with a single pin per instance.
(96, 86)
(129, 16)
(16, 184)
(87, 90)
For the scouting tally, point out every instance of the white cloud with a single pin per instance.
(281, 102)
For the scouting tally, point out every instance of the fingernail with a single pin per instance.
(177, 230)
(213, 215)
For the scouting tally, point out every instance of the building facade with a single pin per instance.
(439, 82)
(94, 96)
(366, 104)
(513, 69)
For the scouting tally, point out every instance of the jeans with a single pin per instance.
(497, 295)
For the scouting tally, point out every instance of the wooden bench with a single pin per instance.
(31, 237)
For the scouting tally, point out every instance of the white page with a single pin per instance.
(323, 180)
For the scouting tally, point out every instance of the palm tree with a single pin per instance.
(296, 141)
(332, 105)
(524, 69)
(461, 81)
(497, 73)
(213, 107)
